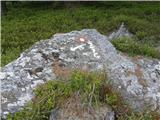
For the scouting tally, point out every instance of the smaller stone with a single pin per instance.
(110, 116)
(37, 57)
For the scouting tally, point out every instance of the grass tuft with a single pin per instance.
(93, 90)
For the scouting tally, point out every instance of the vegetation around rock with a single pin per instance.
(29, 22)
(25, 23)
(94, 90)
(132, 47)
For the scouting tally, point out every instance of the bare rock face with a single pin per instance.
(137, 79)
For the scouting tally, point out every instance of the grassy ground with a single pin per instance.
(28, 23)
(93, 90)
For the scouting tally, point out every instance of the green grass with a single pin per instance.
(94, 90)
(28, 23)
(130, 46)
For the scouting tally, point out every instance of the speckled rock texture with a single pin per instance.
(137, 79)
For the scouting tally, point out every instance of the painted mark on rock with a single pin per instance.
(81, 47)
(93, 50)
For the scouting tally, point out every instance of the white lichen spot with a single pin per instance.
(100, 67)
(34, 50)
(23, 89)
(3, 75)
(29, 76)
(6, 112)
(27, 88)
(69, 60)
(23, 63)
(119, 86)
(37, 57)
(35, 83)
(11, 105)
(11, 74)
(157, 67)
(24, 99)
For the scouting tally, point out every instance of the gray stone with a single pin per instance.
(132, 76)
(110, 116)
(121, 32)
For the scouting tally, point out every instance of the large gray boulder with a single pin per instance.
(137, 79)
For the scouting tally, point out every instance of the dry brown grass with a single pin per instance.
(61, 72)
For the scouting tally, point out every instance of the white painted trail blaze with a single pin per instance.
(78, 47)
(93, 50)
(81, 47)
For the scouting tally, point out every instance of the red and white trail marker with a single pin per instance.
(82, 39)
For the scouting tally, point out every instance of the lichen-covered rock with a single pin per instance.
(137, 79)
(121, 32)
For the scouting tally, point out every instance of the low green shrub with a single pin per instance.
(129, 45)
(24, 25)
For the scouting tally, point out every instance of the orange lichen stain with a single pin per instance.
(61, 71)
(137, 58)
(140, 76)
